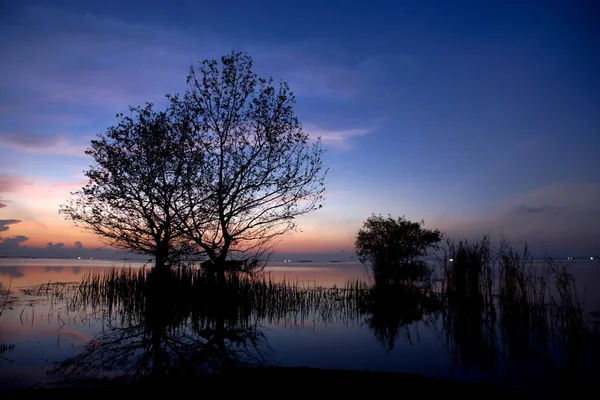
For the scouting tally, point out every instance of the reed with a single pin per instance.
(502, 307)
(493, 306)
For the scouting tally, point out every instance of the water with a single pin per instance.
(38, 328)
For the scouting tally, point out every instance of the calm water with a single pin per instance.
(38, 329)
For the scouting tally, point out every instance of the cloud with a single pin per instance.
(311, 75)
(579, 195)
(36, 188)
(41, 144)
(2, 205)
(325, 81)
(91, 60)
(5, 222)
(543, 210)
(13, 242)
(13, 247)
(342, 139)
(94, 66)
(548, 217)
(11, 183)
(559, 220)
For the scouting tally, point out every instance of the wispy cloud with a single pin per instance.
(80, 72)
(12, 183)
(311, 75)
(38, 187)
(342, 139)
(94, 66)
(324, 81)
(41, 144)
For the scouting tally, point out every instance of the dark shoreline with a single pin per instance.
(271, 382)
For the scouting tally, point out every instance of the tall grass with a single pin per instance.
(501, 306)
(494, 306)
(242, 300)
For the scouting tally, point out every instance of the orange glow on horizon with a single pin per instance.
(36, 203)
(40, 234)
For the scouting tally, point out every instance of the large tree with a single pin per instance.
(260, 170)
(136, 183)
(220, 174)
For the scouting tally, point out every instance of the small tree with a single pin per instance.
(136, 184)
(391, 247)
(260, 170)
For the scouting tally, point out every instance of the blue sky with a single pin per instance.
(476, 116)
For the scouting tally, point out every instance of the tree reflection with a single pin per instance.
(492, 314)
(391, 308)
(154, 329)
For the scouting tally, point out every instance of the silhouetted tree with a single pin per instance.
(136, 183)
(391, 247)
(260, 170)
(223, 171)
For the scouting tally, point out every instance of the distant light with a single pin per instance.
(79, 258)
(451, 259)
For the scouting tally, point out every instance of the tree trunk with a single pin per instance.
(160, 264)
(162, 257)
(220, 274)
(157, 316)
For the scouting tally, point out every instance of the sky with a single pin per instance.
(478, 117)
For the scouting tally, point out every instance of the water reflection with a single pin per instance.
(523, 319)
(498, 320)
(391, 308)
(159, 325)
(54, 269)
(14, 272)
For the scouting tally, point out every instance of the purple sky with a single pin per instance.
(478, 117)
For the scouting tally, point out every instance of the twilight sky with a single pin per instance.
(476, 116)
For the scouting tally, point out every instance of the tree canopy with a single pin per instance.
(391, 248)
(135, 185)
(219, 174)
(260, 169)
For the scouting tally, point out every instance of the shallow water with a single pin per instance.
(38, 328)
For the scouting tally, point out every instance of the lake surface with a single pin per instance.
(40, 327)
